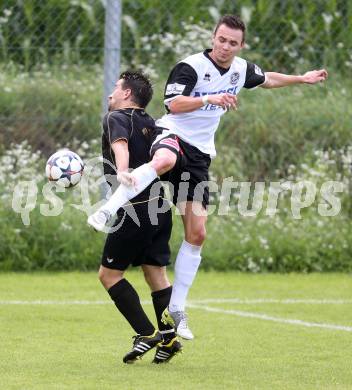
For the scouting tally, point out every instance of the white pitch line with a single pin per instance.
(244, 301)
(288, 301)
(274, 319)
(197, 304)
(46, 302)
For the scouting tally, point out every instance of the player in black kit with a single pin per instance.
(141, 233)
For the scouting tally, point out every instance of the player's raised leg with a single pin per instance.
(132, 185)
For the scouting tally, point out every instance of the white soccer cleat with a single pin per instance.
(99, 219)
(184, 331)
(178, 320)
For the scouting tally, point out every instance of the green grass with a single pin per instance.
(71, 346)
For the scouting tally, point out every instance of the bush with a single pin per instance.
(271, 129)
(57, 242)
(50, 106)
(301, 34)
(235, 242)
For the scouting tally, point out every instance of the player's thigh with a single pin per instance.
(194, 218)
(156, 277)
(109, 277)
(163, 160)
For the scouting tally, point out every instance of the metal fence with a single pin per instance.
(283, 35)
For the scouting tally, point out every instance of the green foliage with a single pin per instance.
(43, 242)
(263, 244)
(49, 243)
(274, 134)
(305, 33)
(50, 105)
(299, 133)
(55, 31)
(236, 241)
(283, 35)
(273, 129)
(300, 34)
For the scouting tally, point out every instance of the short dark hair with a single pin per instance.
(232, 21)
(140, 86)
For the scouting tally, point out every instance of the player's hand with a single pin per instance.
(126, 178)
(224, 100)
(315, 76)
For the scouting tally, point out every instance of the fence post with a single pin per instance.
(112, 47)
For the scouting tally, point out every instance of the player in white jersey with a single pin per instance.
(199, 76)
(199, 90)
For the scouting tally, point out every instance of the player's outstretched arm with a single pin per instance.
(189, 103)
(278, 80)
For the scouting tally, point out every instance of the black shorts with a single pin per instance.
(137, 245)
(189, 177)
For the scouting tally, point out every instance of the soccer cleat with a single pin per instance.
(166, 350)
(178, 320)
(99, 219)
(141, 345)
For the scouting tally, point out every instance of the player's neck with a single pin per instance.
(130, 105)
(220, 64)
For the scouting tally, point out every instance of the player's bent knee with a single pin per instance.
(147, 277)
(109, 277)
(197, 236)
(156, 277)
(164, 162)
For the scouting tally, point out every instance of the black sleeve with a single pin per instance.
(181, 81)
(118, 126)
(254, 76)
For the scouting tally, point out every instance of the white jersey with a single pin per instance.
(199, 75)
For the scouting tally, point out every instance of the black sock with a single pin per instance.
(161, 299)
(127, 301)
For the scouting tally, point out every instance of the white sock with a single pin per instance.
(186, 267)
(145, 174)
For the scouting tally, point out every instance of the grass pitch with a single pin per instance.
(60, 331)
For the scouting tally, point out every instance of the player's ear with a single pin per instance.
(127, 93)
(243, 42)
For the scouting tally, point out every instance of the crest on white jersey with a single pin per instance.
(234, 78)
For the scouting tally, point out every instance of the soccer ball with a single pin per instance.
(65, 168)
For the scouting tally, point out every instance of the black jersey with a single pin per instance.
(138, 129)
(145, 242)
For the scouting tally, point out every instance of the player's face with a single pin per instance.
(118, 96)
(227, 43)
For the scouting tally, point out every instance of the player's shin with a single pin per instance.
(186, 267)
(144, 175)
(127, 301)
(161, 299)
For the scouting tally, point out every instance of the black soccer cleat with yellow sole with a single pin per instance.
(141, 345)
(166, 350)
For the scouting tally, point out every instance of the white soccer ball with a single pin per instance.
(65, 168)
